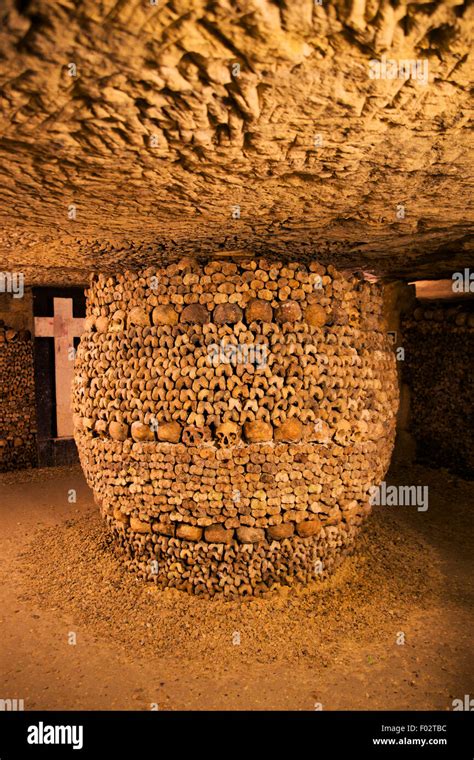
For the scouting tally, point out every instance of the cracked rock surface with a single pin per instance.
(131, 132)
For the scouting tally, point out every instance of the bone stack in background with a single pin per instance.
(17, 400)
(438, 369)
(231, 478)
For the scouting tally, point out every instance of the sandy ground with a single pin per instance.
(334, 644)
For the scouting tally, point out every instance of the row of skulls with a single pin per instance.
(225, 434)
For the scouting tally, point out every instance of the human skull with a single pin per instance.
(101, 428)
(258, 431)
(194, 436)
(227, 434)
(118, 431)
(117, 323)
(138, 317)
(102, 324)
(89, 323)
(141, 432)
(289, 431)
(319, 432)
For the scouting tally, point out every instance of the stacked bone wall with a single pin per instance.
(439, 369)
(17, 400)
(231, 418)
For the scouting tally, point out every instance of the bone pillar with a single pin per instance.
(231, 417)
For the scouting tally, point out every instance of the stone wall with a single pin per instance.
(232, 469)
(17, 400)
(438, 370)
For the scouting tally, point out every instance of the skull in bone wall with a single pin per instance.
(227, 434)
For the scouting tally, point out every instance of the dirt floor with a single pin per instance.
(336, 644)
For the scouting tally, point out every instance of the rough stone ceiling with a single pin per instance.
(159, 136)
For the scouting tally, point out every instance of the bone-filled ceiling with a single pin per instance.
(135, 131)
